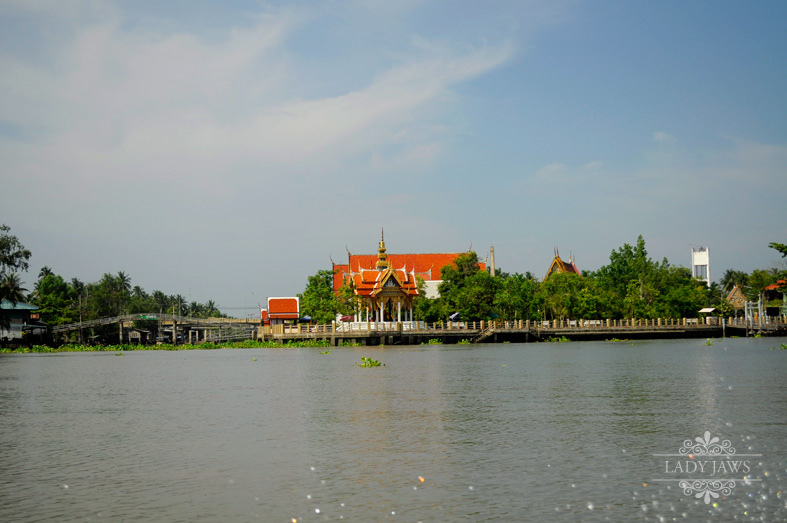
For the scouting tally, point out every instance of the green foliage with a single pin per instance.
(368, 362)
(246, 344)
(13, 257)
(318, 299)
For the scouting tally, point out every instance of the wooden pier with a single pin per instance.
(218, 330)
(414, 333)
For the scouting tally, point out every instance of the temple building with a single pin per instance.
(736, 299)
(559, 265)
(386, 284)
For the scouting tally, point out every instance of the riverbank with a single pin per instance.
(249, 344)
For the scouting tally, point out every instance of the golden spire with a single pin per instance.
(382, 258)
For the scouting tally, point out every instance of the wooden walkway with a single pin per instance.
(413, 333)
(197, 330)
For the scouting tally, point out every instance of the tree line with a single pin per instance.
(60, 301)
(631, 285)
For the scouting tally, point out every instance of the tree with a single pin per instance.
(12, 288)
(626, 264)
(318, 299)
(13, 258)
(782, 248)
(56, 301)
(466, 289)
(516, 297)
(782, 277)
(732, 278)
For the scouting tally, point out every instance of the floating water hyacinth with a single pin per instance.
(369, 362)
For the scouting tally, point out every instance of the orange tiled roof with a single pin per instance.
(559, 265)
(425, 266)
(283, 308)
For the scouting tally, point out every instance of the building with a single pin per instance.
(700, 264)
(386, 284)
(560, 265)
(736, 299)
(21, 317)
(425, 266)
(281, 311)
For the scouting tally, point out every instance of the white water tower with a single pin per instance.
(700, 264)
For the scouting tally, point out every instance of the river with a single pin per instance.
(575, 431)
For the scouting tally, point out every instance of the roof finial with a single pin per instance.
(382, 258)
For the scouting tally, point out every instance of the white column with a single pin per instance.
(399, 311)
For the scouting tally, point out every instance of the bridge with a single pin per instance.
(413, 333)
(187, 328)
(219, 330)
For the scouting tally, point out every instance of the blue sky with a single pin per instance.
(228, 150)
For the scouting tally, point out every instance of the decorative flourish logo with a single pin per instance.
(706, 464)
(707, 446)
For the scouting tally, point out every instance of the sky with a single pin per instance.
(227, 151)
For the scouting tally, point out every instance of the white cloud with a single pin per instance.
(662, 137)
(164, 105)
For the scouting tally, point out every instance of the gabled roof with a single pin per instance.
(284, 308)
(425, 266)
(736, 298)
(18, 306)
(560, 265)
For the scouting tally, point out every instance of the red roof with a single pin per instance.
(560, 265)
(284, 308)
(426, 266)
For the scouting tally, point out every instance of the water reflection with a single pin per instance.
(540, 431)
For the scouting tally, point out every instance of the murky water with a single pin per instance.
(558, 432)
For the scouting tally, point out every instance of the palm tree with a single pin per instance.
(732, 278)
(123, 287)
(123, 282)
(11, 288)
(210, 308)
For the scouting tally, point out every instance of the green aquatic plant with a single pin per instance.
(433, 341)
(246, 344)
(561, 339)
(369, 362)
(463, 342)
(709, 342)
(783, 347)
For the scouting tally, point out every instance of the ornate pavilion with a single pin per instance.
(560, 265)
(385, 285)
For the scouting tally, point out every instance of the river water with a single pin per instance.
(512, 432)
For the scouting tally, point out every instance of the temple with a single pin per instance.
(386, 284)
(559, 265)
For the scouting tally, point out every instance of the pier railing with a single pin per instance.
(416, 327)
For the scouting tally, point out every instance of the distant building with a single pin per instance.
(560, 265)
(736, 299)
(424, 266)
(281, 311)
(20, 315)
(700, 264)
(386, 284)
